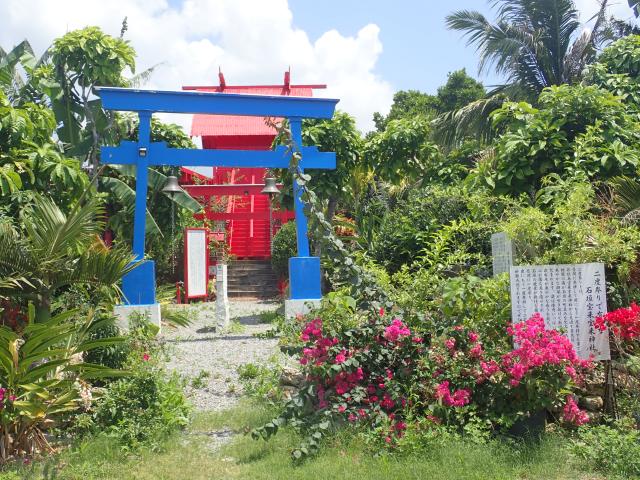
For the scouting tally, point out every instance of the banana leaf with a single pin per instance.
(156, 182)
(127, 196)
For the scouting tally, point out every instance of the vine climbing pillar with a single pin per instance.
(304, 270)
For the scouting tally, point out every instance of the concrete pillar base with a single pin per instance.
(124, 312)
(293, 308)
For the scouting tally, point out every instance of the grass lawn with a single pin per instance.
(189, 456)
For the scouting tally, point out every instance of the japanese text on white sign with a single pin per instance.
(569, 297)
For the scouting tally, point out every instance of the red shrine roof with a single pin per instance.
(240, 126)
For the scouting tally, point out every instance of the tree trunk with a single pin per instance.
(43, 308)
(331, 209)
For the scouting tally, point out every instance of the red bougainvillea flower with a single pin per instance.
(387, 403)
(623, 322)
(145, 357)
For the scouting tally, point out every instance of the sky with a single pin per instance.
(364, 50)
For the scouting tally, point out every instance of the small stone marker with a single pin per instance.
(569, 297)
(222, 299)
(502, 253)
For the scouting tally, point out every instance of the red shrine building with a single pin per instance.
(233, 203)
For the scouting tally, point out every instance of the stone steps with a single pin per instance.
(251, 279)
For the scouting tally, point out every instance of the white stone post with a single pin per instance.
(222, 298)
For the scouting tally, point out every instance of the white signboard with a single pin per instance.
(196, 263)
(502, 253)
(569, 297)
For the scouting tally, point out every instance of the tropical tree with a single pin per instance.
(459, 90)
(23, 77)
(82, 60)
(54, 250)
(407, 104)
(399, 154)
(30, 161)
(338, 135)
(533, 44)
(576, 130)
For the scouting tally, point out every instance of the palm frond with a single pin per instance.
(51, 233)
(626, 197)
(451, 128)
(143, 77)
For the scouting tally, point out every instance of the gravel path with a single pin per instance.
(210, 359)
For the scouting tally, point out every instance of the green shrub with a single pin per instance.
(482, 305)
(148, 405)
(610, 450)
(283, 247)
(575, 231)
(437, 224)
(142, 410)
(112, 356)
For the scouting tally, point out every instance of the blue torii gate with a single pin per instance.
(304, 271)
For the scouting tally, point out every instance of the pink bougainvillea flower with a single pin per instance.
(396, 331)
(352, 417)
(145, 357)
(381, 312)
(459, 398)
(433, 419)
(450, 343)
(473, 337)
(489, 368)
(538, 347)
(341, 408)
(571, 413)
(341, 357)
(476, 351)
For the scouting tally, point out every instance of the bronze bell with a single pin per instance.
(171, 187)
(270, 187)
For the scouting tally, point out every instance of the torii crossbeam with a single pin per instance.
(304, 270)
